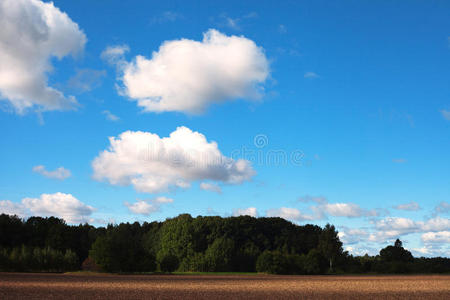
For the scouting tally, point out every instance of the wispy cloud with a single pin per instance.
(234, 23)
(86, 80)
(442, 208)
(110, 116)
(411, 206)
(60, 173)
(282, 29)
(212, 187)
(446, 114)
(167, 16)
(311, 75)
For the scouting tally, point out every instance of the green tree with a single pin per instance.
(168, 262)
(329, 244)
(272, 262)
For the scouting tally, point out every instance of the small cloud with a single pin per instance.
(282, 29)
(60, 173)
(115, 55)
(287, 213)
(442, 208)
(163, 200)
(234, 23)
(311, 75)
(309, 199)
(207, 186)
(250, 211)
(446, 114)
(399, 160)
(110, 116)
(142, 207)
(86, 80)
(148, 206)
(349, 210)
(165, 17)
(411, 206)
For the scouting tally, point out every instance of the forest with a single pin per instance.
(200, 244)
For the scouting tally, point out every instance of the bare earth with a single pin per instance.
(212, 287)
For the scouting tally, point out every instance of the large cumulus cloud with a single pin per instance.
(186, 75)
(153, 164)
(31, 33)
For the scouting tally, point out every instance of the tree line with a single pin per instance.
(201, 244)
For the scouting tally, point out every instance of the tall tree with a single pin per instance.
(329, 244)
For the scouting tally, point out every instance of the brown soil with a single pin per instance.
(212, 287)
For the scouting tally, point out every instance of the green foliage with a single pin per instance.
(315, 262)
(37, 259)
(395, 253)
(272, 262)
(168, 262)
(201, 244)
(329, 245)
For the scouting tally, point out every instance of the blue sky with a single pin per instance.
(352, 98)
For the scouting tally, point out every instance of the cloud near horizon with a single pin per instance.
(153, 165)
(60, 205)
(187, 76)
(26, 48)
(288, 213)
(249, 211)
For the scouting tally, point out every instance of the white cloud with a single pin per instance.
(60, 173)
(163, 200)
(142, 207)
(288, 213)
(349, 210)
(311, 75)
(59, 205)
(403, 225)
(153, 164)
(350, 236)
(446, 114)
(187, 76)
(212, 187)
(436, 237)
(31, 33)
(110, 116)
(10, 208)
(115, 55)
(250, 211)
(146, 207)
(435, 224)
(394, 227)
(411, 206)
